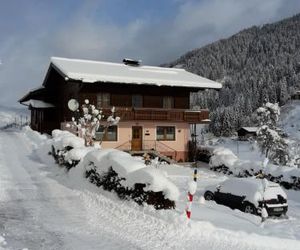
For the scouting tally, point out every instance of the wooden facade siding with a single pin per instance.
(195, 117)
(125, 100)
(136, 114)
(152, 101)
(181, 102)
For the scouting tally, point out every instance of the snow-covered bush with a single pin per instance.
(226, 162)
(129, 178)
(67, 149)
(114, 170)
(223, 160)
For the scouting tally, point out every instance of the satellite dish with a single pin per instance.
(73, 104)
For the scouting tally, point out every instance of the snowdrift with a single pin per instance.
(114, 170)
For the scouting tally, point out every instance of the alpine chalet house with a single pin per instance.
(152, 102)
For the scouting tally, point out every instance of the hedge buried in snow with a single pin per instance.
(225, 161)
(116, 171)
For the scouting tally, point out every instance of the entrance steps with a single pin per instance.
(153, 154)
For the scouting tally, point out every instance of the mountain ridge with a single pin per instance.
(255, 65)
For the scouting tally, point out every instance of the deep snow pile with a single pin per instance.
(225, 161)
(113, 170)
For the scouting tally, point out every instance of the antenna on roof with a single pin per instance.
(131, 62)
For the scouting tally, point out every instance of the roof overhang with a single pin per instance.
(38, 104)
(32, 94)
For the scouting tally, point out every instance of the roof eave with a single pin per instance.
(57, 69)
(27, 96)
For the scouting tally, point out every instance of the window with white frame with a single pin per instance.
(165, 133)
(103, 100)
(137, 101)
(107, 134)
(168, 102)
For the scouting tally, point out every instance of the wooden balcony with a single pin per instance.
(153, 114)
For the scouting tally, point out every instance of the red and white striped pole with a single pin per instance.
(191, 192)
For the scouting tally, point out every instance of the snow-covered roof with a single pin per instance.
(97, 71)
(250, 129)
(31, 94)
(38, 104)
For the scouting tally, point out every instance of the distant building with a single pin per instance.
(246, 132)
(152, 102)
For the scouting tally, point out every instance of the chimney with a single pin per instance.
(131, 62)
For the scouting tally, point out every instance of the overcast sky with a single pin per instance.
(155, 31)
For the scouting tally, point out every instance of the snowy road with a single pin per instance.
(42, 207)
(37, 212)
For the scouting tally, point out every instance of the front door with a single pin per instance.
(137, 138)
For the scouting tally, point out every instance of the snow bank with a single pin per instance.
(224, 160)
(62, 139)
(131, 169)
(77, 154)
(121, 162)
(69, 151)
(223, 156)
(34, 136)
(155, 181)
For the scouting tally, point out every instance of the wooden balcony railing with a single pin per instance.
(153, 114)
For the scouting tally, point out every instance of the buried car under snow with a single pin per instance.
(249, 195)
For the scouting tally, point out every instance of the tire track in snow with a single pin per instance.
(146, 231)
(43, 214)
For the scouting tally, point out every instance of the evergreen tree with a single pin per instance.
(271, 144)
(258, 64)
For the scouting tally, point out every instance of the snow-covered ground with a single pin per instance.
(289, 122)
(290, 119)
(10, 115)
(43, 207)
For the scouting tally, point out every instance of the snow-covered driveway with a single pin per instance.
(42, 207)
(36, 212)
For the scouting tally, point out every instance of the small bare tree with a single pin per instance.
(89, 121)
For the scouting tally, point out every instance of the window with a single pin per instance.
(137, 101)
(165, 133)
(168, 102)
(108, 134)
(103, 100)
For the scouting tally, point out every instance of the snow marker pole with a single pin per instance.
(191, 192)
(195, 175)
(264, 212)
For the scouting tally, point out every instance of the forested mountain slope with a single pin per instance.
(256, 65)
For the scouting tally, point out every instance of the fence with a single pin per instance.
(18, 122)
